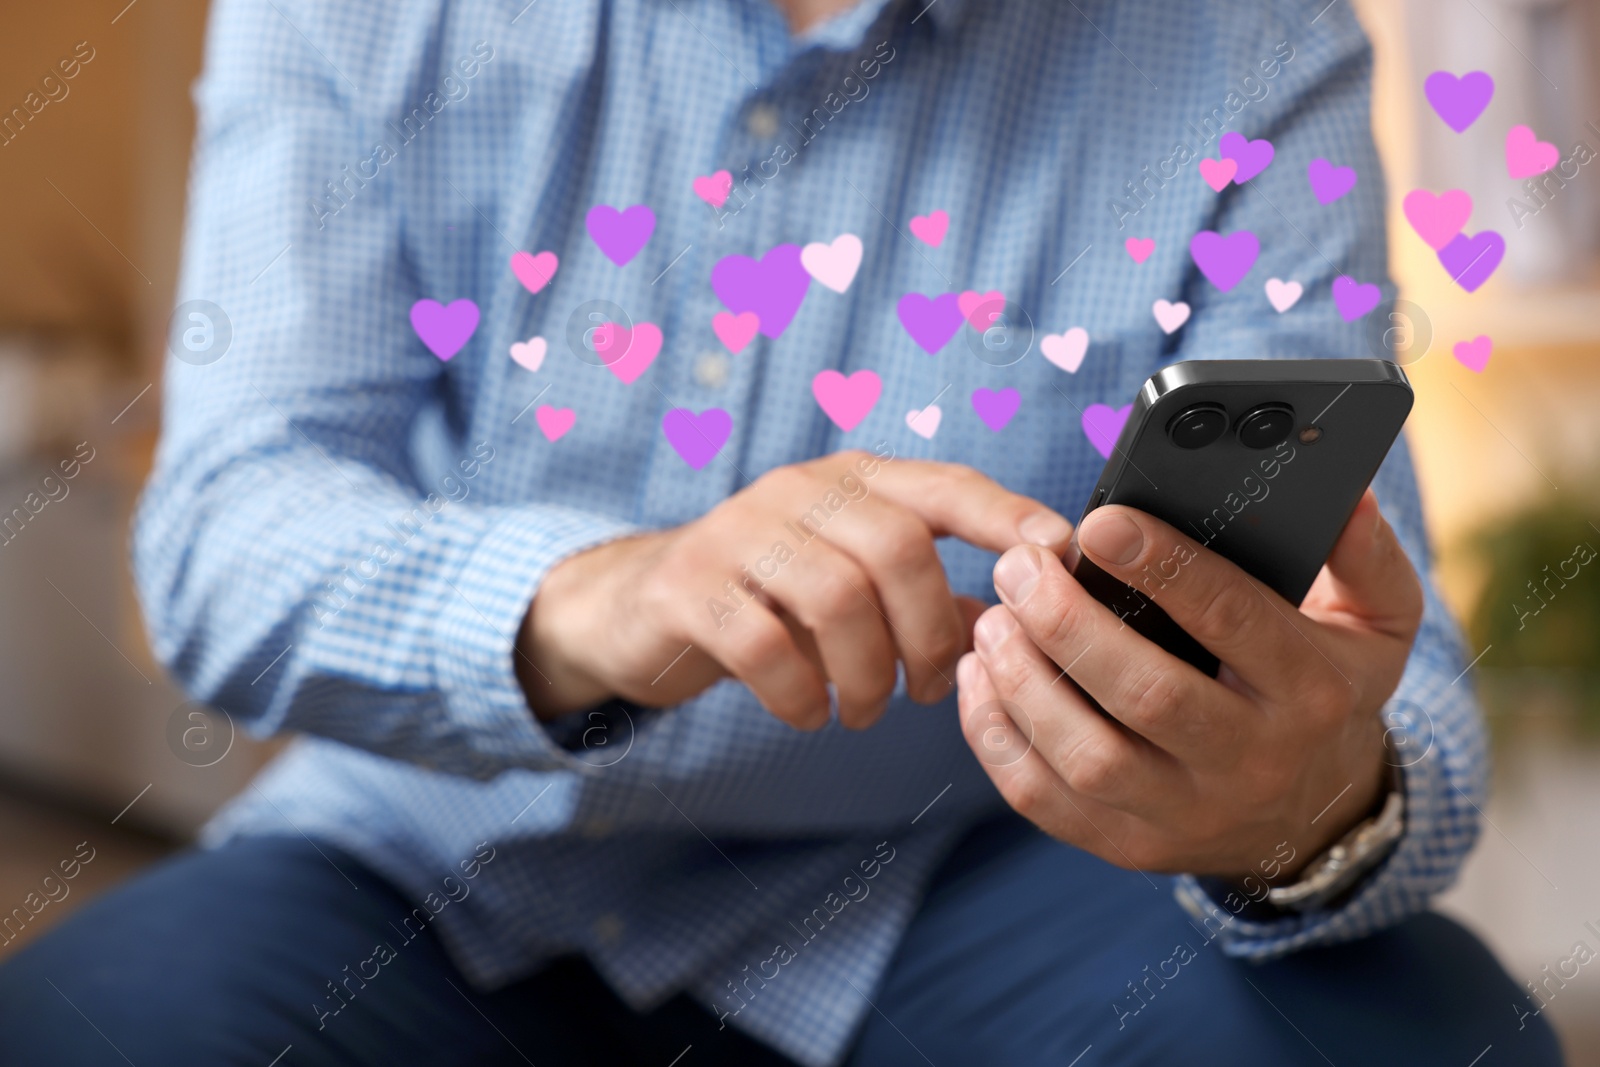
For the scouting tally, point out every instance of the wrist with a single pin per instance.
(554, 634)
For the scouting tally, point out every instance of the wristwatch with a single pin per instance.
(1338, 870)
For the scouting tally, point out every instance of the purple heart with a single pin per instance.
(1470, 260)
(1102, 425)
(772, 288)
(1329, 182)
(1354, 299)
(444, 328)
(620, 234)
(1253, 157)
(996, 406)
(1459, 101)
(697, 438)
(930, 320)
(1224, 260)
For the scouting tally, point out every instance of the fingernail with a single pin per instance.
(1112, 536)
(1017, 573)
(993, 629)
(1045, 528)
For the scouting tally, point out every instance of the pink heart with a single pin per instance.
(931, 228)
(1066, 350)
(1218, 172)
(834, 265)
(555, 422)
(735, 331)
(444, 328)
(1140, 247)
(1102, 425)
(924, 422)
(1170, 316)
(534, 271)
(1526, 155)
(847, 400)
(1437, 219)
(1474, 354)
(1283, 295)
(981, 309)
(714, 189)
(529, 354)
(627, 353)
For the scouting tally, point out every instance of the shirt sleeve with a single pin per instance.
(1320, 109)
(294, 568)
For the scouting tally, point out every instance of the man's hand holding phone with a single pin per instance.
(1187, 772)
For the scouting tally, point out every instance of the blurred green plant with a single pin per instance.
(1540, 610)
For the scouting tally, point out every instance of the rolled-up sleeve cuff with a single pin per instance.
(482, 612)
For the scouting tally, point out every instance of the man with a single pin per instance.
(566, 621)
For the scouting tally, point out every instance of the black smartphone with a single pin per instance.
(1259, 460)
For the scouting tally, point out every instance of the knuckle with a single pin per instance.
(1152, 694)
(759, 645)
(903, 544)
(834, 594)
(1025, 793)
(1225, 609)
(1091, 770)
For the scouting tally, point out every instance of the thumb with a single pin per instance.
(1371, 576)
(970, 608)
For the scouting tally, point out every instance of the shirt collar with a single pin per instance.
(846, 30)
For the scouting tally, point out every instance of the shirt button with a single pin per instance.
(711, 370)
(608, 928)
(762, 122)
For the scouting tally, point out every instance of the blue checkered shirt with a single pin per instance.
(343, 532)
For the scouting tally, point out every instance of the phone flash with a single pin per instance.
(1310, 435)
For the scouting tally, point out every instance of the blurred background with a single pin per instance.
(96, 746)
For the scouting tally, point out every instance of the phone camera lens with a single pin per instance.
(1266, 426)
(1198, 426)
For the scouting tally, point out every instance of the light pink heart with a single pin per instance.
(1437, 219)
(931, 228)
(735, 331)
(1218, 172)
(529, 354)
(534, 271)
(847, 400)
(1526, 155)
(834, 265)
(627, 353)
(1102, 425)
(1170, 316)
(714, 188)
(924, 422)
(1066, 350)
(1139, 248)
(1474, 354)
(981, 310)
(554, 422)
(1283, 295)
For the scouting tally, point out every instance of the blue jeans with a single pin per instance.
(1026, 952)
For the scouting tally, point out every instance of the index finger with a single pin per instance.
(958, 501)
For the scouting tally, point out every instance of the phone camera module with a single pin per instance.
(1266, 426)
(1198, 427)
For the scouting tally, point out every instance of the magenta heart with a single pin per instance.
(697, 437)
(1224, 260)
(1459, 101)
(444, 328)
(534, 271)
(930, 320)
(1102, 425)
(1329, 182)
(773, 288)
(620, 234)
(1474, 354)
(996, 406)
(1354, 299)
(1253, 157)
(1437, 219)
(1470, 260)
